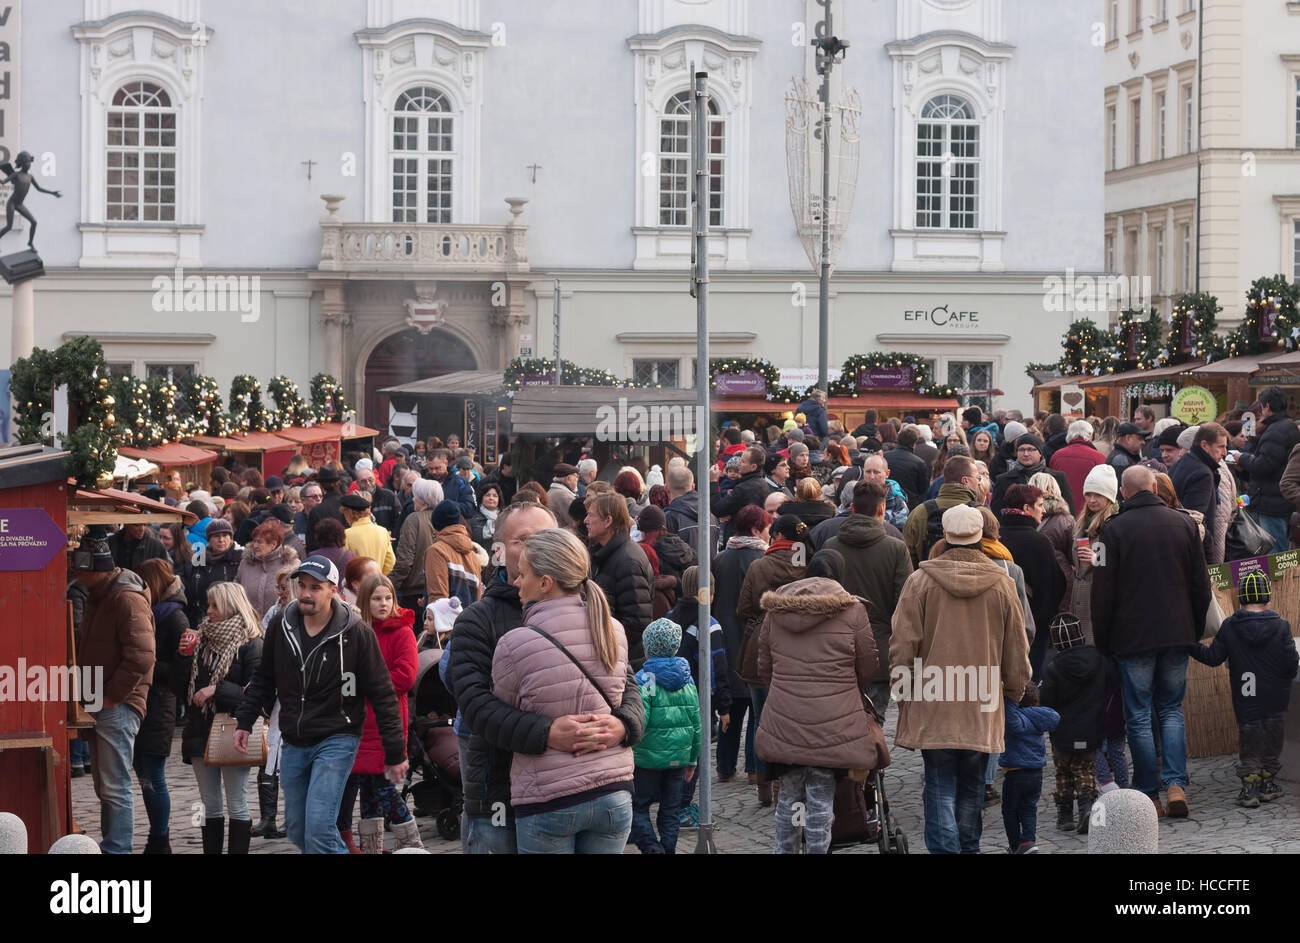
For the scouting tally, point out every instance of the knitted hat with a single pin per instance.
(788, 425)
(794, 435)
(1187, 437)
(1101, 480)
(363, 464)
(229, 490)
(1254, 588)
(963, 525)
(661, 638)
(1170, 435)
(1066, 631)
(773, 460)
(733, 462)
(446, 514)
(797, 448)
(218, 525)
(93, 555)
(443, 612)
(1030, 439)
(1013, 430)
(281, 513)
(651, 519)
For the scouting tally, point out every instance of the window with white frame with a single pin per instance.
(675, 162)
(1135, 113)
(947, 165)
(664, 373)
(1112, 129)
(1137, 16)
(1160, 126)
(175, 372)
(1158, 247)
(1110, 252)
(1113, 32)
(1163, 7)
(1189, 118)
(423, 156)
(1187, 257)
(966, 376)
(141, 155)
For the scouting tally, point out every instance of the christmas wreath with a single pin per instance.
(247, 412)
(291, 409)
(1193, 330)
(202, 399)
(1271, 320)
(1137, 339)
(922, 383)
(328, 404)
(1087, 350)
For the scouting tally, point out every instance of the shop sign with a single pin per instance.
(885, 378)
(1194, 405)
(743, 383)
(943, 316)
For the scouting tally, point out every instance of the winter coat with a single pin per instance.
(219, 568)
(1075, 461)
(1074, 683)
(917, 532)
(811, 513)
(958, 611)
(750, 488)
(1264, 464)
(875, 568)
(1025, 747)
(396, 637)
(729, 568)
(672, 715)
(198, 532)
(815, 415)
(1154, 590)
(315, 703)
(453, 567)
(558, 497)
(1033, 553)
(330, 506)
(531, 673)
(1196, 482)
(159, 724)
(1257, 644)
(624, 573)
(772, 571)
(129, 554)
(675, 555)
(1217, 533)
(497, 729)
(1017, 474)
(816, 653)
(412, 543)
(386, 510)
(365, 538)
(117, 635)
(910, 471)
(257, 576)
(683, 516)
(1059, 530)
(1018, 580)
(687, 615)
(1120, 459)
(1054, 443)
(226, 699)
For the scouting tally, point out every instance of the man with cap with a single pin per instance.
(1171, 450)
(317, 637)
(563, 492)
(275, 485)
(1077, 456)
(330, 504)
(364, 537)
(950, 685)
(385, 508)
(218, 562)
(1127, 450)
(1148, 604)
(282, 515)
(117, 639)
(1029, 462)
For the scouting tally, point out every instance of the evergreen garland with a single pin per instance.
(247, 412)
(135, 425)
(328, 404)
(765, 368)
(203, 414)
(163, 404)
(291, 409)
(573, 375)
(1193, 316)
(922, 383)
(1137, 339)
(1270, 297)
(1088, 350)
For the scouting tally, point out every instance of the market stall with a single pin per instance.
(261, 450)
(1232, 380)
(470, 403)
(318, 444)
(193, 463)
(1117, 394)
(1064, 395)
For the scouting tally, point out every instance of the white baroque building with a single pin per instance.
(400, 183)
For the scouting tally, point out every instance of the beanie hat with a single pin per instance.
(363, 464)
(654, 477)
(963, 525)
(1170, 435)
(446, 514)
(973, 414)
(788, 425)
(229, 490)
(773, 460)
(1254, 588)
(651, 518)
(1187, 437)
(661, 638)
(733, 462)
(1079, 429)
(1066, 631)
(444, 613)
(1030, 439)
(1013, 430)
(218, 525)
(794, 435)
(93, 555)
(1101, 480)
(797, 448)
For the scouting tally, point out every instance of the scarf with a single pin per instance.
(1021, 512)
(490, 522)
(781, 543)
(219, 642)
(995, 549)
(745, 543)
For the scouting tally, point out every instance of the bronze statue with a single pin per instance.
(22, 181)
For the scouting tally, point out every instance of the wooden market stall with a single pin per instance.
(1049, 396)
(1117, 394)
(471, 403)
(1231, 380)
(261, 450)
(194, 464)
(319, 444)
(850, 410)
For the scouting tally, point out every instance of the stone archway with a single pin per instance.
(407, 356)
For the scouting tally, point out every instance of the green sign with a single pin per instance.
(1194, 405)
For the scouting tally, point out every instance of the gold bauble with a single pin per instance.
(110, 419)
(109, 401)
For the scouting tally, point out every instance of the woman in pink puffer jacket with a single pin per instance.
(565, 804)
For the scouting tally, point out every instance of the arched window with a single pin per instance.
(947, 165)
(141, 155)
(675, 162)
(423, 156)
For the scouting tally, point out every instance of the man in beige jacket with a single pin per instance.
(958, 648)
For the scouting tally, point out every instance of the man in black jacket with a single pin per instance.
(323, 664)
(907, 468)
(385, 508)
(218, 563)
(1127, 450)
(1032, 551)
(496, 730)
(620, 568)
(1263, 467)
(1028, 463)
(134, 544)
(1054, 428)
(750, 488)
(331, 504)
(1196, 477)
(1150, 593)
(683, 511)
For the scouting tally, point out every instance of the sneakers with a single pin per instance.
(690, 817)
(1177, 803)
(1103, 788)
(1249, 796)
(991, 796)
(1065, 815)
(1268, 787)
(726, 777)
(1025, 848)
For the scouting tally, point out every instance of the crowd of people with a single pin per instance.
(1054, 571)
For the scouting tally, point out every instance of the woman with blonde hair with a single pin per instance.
(1057, 525)
(211, 675)
(569, 657)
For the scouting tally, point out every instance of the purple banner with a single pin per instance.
(29, 539)
(744, 383)
(1240, 568)
(536, 379)
(885, 378)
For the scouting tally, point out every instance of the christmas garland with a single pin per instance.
(135, 425)
(291, 409)
(770, 373)
(1271, 319)
(1137, 339)
(202, 398)
(1193, 330)
(328, 404)
(247, 412)
(573, 375)
(1087, 349)
(847, 384)
(163, 396)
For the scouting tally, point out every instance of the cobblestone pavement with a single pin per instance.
(1216, 823)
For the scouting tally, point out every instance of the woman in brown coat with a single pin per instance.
(816, 653)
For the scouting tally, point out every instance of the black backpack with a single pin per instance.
(934, 525)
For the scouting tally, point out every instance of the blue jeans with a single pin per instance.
(113, 749)
(1020, 791)
(954, 800)
(596, 827)
(78, 753)
(1278, 528)
(313, 779)
(484, 834)
(663, 786)
(728, 745)
(1155, 682)
(151, 769)
(758, 697)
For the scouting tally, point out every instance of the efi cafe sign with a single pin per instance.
(944, 316)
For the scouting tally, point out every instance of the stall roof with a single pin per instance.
(1058, 383)
(173, 453)
(460, 383)
(895, 399)
(305, 435)
(1235, 366)
(1283, 360)
(111, 506)
(1137, 376)
(590, 410)
(25, 465)
(346, 430)
(245, 442)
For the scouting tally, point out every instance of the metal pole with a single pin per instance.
(824, 285)
(555, 317)
(699, 117)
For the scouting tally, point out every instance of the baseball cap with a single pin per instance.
(319, 567)
(275, 483)
(1127, 428)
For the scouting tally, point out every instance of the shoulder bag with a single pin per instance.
(569, 655)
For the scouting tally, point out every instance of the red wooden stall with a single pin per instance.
(261, 450)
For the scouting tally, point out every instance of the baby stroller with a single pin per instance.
(862, 815)
(432, 749)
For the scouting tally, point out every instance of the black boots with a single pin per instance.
(241, 830)
(158, 845)
(1085, 814)
(214, 834)
(1065, 815)
(268, 792)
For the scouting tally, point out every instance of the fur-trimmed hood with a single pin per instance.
(806, 603)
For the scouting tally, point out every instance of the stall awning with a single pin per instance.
(305, 435)
(245, 442)
(1059, 382)
(171, 454)
(1137, 376)
(460, 383)
(346, 430)
(111, 506)
(894, 399)
(1234, 366)
(616, 415)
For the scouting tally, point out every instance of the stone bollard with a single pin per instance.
(1123, 822)
(75, 845)
(13, 835)
(411, 851)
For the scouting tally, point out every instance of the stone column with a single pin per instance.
(335, 319)
(23, 334)
(508, 319)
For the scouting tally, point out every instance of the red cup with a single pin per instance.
(189, 639)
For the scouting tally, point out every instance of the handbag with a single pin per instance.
(221, 751)
(1246, 538)
(1213, 618)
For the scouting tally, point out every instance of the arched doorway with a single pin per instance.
(407, 356)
